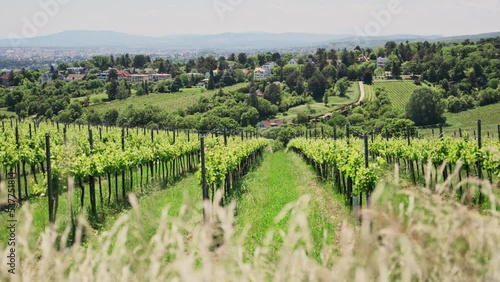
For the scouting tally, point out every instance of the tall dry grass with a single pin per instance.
(429, 239)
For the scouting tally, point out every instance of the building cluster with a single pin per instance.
(132, 74)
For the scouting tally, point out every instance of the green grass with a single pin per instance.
(283, 178)
(165, 101)
(107, 213)
(319, 108)
(312, 109)
(369, 93)
(4, 112)
(351, 97)
(144, 224)
(467, 121)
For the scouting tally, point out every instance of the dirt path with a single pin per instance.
(362, 91)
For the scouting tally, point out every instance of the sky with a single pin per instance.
(31, 18)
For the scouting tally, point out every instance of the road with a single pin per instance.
(362, 91)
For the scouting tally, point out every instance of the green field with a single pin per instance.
(165, 101)
(399, 92)
(4, 112)
(319, 108)
(369, 93)
(467, 120)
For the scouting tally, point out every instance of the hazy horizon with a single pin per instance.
(160, 18)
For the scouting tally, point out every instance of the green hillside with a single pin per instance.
(168, 102)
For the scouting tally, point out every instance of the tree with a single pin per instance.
(302, 118)
(112, 89)
(111, 116)
(272, 94)
(425, 107)
(139, 61)
(161, 68)
(211, 83)
(488, 96)
(228, 78)
(176, 86)
(317, 85)
(253, 100)
(309, 70)
(242, 58)
(341, 86)
(368, 78)
(325, 98)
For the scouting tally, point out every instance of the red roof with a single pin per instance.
(4, 77)
(272, 123)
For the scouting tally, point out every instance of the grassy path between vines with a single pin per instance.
(283, 178)
(145, 220)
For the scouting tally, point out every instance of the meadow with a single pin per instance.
(167, 102)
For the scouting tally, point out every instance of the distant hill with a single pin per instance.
(83, 39)
(239, 41)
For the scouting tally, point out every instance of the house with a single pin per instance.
(49, 75)
(269, 66)
(293, 62)
(259, 73)
(75, 70)
(159, 76)
(102, 75)
(138, 77)
(363, 59)
(329, 62)
(388, 75)
(4, 80)
(202, 83)
(123, 74)
(259, 93)
(381, 62)
(245, 71)
(270, 123)
(264, 71)
(215, 71)
(75, 77)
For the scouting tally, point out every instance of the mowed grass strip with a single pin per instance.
(283, 178)
(144, 221)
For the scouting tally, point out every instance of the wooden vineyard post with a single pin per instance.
(498, 129)
(92, 179)
(204, 187)
(18, 167)
(334, 132)
(479, 171)
(123, 172)
(347, 133)
(50, 195)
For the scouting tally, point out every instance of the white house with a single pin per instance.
(103, 75)
(138, 77)
(159, 76)
(293, 62)
(259, 73)
(75, 70)
(381, 62)
(264, 71)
